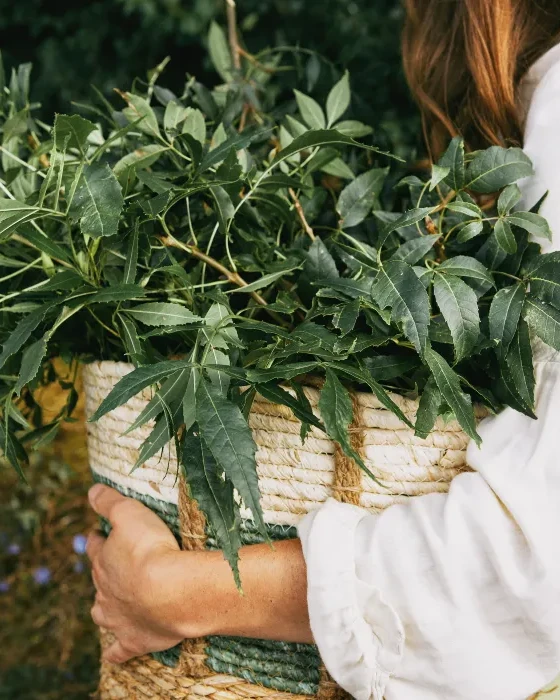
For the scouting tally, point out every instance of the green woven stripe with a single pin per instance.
(301, 655)
(250, 534)
(167, 511)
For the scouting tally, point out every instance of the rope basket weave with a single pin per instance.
(294, 478)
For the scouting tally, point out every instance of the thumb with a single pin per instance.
(103, 500)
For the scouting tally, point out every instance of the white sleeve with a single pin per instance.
(456, 596)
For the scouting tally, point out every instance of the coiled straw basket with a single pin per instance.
(294, 478)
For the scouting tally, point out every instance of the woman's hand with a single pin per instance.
(151, 595)
(128, 570)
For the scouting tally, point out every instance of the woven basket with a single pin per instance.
(294, 478)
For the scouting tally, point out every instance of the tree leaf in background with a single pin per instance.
(140, 109)
(454, 159)
(504, 315)
(264, 281)
(504, 236)
(459, 307)
(215, 497)
(238, 142)
(161, 313)
(448, 383)
(22, 332)
(398, 287)
(310, 111)
(508, 199)
(414, 250)
(428, 409)
(495, 168)
(14, 213)
(228, 437)
(31, 362)
(134, 382)
(357, 199)
(98, 201)
(71, 131)
(544, 319)
(338, 99)
(219, 52)
(43, 243)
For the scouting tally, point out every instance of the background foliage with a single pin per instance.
(105, 42)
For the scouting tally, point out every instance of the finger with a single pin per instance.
(103, 499)
(117, 654)
(94, 545)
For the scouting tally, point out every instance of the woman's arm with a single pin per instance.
(151, 595)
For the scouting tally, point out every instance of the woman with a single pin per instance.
(449, 596)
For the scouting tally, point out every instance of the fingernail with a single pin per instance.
(94, 492)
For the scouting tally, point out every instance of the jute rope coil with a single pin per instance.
(294, 478)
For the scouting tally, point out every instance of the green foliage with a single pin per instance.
(251, 235)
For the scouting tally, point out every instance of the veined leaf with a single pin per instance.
(139, 159)
(277, 394)
(496, 167)
(172, 390)
(139, 109)
(264, 281)
(545, 283)
(71, 131)
(353, 128)
(466, 208)
(439, 173)
(357, 198)
(535, 224)
(459, 307)
(238, 141)
(134, 346)
(413, 216)
(118, 292)
(311, 112)
(161, 313)
(465, 266)
(384, 367)
(319, 263)
(448, 383)
(338, 99)
(521, 377)
(454, 159)
(22, 332)
(31, 362)
(129, 274)
(508, 199)
(195, 125)
(134, 382)
(414, 250)
(504, 315)
(398, 287)
(98, 201)
(219, 52)
(346, 319)
(475, 228)
(163, 432)
(13, 450)
(504, 236)
(544, 319)
(228, 437)
(289, 371)
(428, 409)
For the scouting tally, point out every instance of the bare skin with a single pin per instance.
(151, 595)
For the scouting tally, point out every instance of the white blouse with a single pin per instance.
(457, 596)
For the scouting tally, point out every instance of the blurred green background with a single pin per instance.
(48, 646)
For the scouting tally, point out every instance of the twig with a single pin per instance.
(307, 228)
(255, 61)
(232, 32)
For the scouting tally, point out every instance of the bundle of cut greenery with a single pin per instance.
(252, 237)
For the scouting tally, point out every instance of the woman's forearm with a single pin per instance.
(273, 604)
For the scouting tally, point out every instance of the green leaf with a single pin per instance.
(459, 307)
(215, 497)
(545, 283)
(118, 292)
(544, 319)
(12, 450)
(131, 263)
(139, 109)
(475, 228)
(43, 243)
(448, 383)
(465, 266)
(494, 168)
(22, 332)
(310, 111)
(454, 159)
(363, 376)
(98, 201)
(353, 128)
(320, 137)
(337, 413)
(346, 319)
(161, 313)
(357, 198)
(521, 375)
(414, 250)
(409, 218)
(133, 383)
(319, 263)
(508, 199)
(439, 173)
(133, 345)
(31, 362)
(398, 287)
(71, 131)
(428, 409)
(264, 281)
(338, 100)
(237, 141)
(277, 394)
(195, 125)
(173, 117)
(229, 439)
(163, 432)
(14, 213)
(219, 52)
(535, 224)
(504, 236)
(171, 391)
(385, 367)
(466, 208)
(139, 159)
(504, 315)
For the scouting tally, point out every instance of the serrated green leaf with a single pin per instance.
(31, 362)
(414, 250)
(289, 371)
(139, 110)
(71, 131)
(409, 218)
(98, 201)
(504, 236)
(310, 111)
(215, 497)
(139, 159)
(353, 128)
(545, 283)
(277, 394)
(454, 159)
(494, 168)
(161, 313)
(346, 319)
(385, 367)
(357, 198)
(338, 99)
(504, 315)
(459, 307)
(448, 383)
(466, 208)
(398, 287)
(118, 292)
(264, 281)
(544, 319)
(465, 266)
(228, 437)
(22, 332)
(131, 263)
(319, 263)
(133, 345)
(428, 409)
(171, 391)
(237, 141)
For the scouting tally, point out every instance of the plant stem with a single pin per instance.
(306, 227)
(232, 32)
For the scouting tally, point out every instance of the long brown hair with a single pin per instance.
(464, 60)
